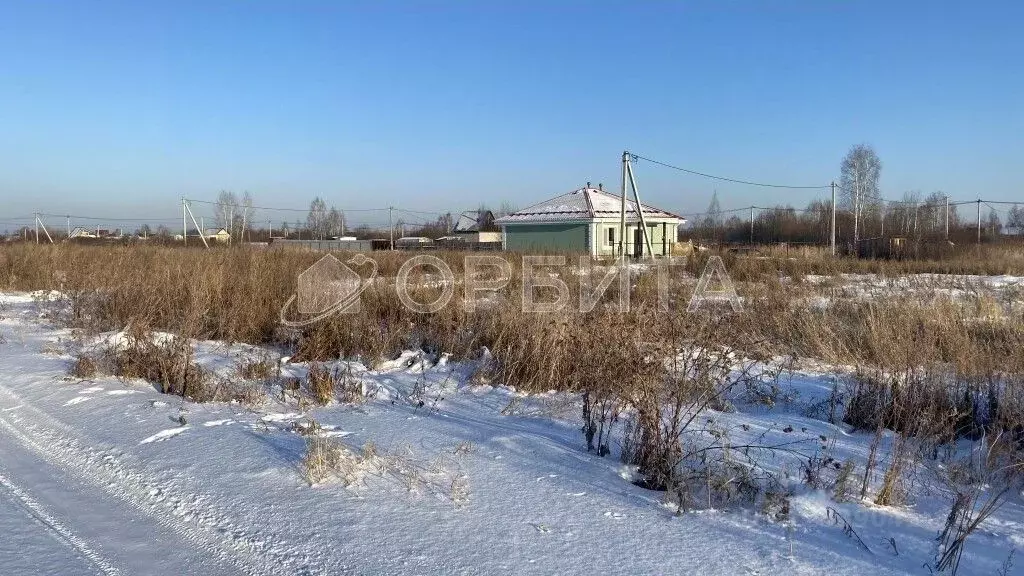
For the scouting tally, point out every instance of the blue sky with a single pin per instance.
(120, 108)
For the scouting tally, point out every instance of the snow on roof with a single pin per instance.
(583, 204)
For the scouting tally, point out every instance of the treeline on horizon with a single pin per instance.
(916, 221)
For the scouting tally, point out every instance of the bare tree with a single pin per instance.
(713, 217)
(993, 225)
(1015, 219)
(246, 215)
(505, 209)
(316, 221)
(335, 222)
(860, 172)
(226, 210)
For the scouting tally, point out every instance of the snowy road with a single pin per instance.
(66, 515)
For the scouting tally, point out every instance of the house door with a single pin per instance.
(638, 242)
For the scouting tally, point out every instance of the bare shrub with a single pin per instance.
(321, 383)
(841, 488)
(256, 369)
(168, 363)
(326, 458)
(231, 390)
(84, 367)
(995, 474)
(349, 386)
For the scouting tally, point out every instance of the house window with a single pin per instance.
(611, 237)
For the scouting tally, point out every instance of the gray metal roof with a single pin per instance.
(472, 221)
(583, 204)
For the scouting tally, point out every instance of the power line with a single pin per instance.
(725, 179)
(77, 217)
(303, 210)
(420, 212)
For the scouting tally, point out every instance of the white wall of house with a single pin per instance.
(604, 236)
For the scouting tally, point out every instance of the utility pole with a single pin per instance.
(37, 225)
(751, 225)
(645, 236)
(391, 227)
(833, 217)
(270, 225)
(622, 209)
(184, 224)
(947, 218)
(856, 211)
(185, 208)
(69, 226)
(979, 221)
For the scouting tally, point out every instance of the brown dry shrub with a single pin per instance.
(256, 369)
(321, 383)
(169, 364)
(84, 367)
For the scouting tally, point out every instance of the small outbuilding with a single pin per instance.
(588, 220)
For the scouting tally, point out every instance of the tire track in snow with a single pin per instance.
(64, 534)
(192, 518)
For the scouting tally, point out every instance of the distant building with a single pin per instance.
(588, 220)
(475, 226)
(83, 233)
(217, 234)
(211, 235)
(80, 232)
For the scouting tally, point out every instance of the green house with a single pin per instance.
(588, 220)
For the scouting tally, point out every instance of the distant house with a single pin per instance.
(80, 232)
(476, 226)
(211, 235)
(588, 220)
(217, 234)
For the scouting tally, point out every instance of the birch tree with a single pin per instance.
(316, 221)
(860, 172)
(226, 210)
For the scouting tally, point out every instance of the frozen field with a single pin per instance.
(105, 476)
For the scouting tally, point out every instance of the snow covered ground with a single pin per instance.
(111, 477)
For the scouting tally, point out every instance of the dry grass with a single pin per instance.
(962, 358)
(321, 383)
(327, 458)
(256, 369)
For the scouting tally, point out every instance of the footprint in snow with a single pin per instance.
(614, 515)
(164, 435)
(542, 528)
